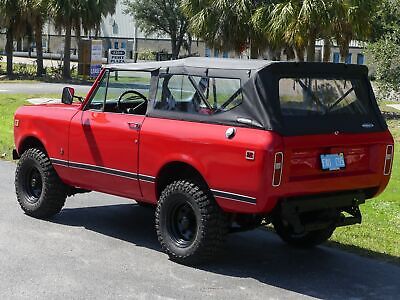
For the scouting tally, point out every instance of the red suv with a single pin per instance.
(217, 145)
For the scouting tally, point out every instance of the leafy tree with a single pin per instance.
(384, 51)
(12, 19)
(162, 17)
(386, 20)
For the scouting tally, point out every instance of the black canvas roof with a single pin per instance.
(259, 86)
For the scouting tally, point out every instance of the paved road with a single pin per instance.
(103, 247)
(40, 88)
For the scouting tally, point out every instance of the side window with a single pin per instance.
(123, 81)
(198, 95)
(175, 93)
(97, 101)
(223, 94)
(122, 92)
(128, 92)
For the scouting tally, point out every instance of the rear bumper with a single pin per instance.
(318, 202)
(291, 210)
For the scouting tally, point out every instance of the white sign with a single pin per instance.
(96, 58)
(97, 52)
(116, 56)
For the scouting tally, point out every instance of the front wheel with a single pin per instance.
(40, 192)
(191, 227)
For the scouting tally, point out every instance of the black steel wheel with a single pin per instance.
(191, 227)
(40, 192)
(183, 224)
(33, 185)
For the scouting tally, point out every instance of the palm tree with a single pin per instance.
(226, 25)
(35, 12)
(64, 13)
(351, 19)
(92, 12)
(72, 15)
(11, 18)
(299, 23)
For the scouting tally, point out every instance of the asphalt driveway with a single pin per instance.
(103, 247)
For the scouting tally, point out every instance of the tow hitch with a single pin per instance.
(311, 213)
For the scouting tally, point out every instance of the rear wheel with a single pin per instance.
(40, 192)
(302, 240)
(191, 228)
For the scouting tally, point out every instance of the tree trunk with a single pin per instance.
(19, 44)
(39, 49)
(327, 50)
(344, 52)
(174, 47)
(9, 51)
(67, 53)
(254, 53)
(78, 36)
(290, 53)
(311, 48)
(299, 54)
(189, 44)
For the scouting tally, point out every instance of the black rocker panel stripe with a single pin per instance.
(103, 170)
(235, 197)
(59, 162)
(146, 178)
(94, 168)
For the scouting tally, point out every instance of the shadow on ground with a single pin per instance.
(322, 272)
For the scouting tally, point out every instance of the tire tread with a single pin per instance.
(214, 223)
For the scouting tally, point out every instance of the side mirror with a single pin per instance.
(68, 95)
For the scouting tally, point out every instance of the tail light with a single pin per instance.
(278, 167)
(388, 160)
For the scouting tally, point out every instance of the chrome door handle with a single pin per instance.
(134, 125)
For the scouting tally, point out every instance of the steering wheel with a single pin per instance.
(136, 96)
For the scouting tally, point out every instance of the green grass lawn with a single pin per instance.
(379, 233)
(378, 236)
(8, 105)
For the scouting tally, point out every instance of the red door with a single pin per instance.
(103, 154)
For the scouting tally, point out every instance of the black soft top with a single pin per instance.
(259, 84)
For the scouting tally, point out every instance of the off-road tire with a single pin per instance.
(53, 190)
(305, 240)
(211, 223)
